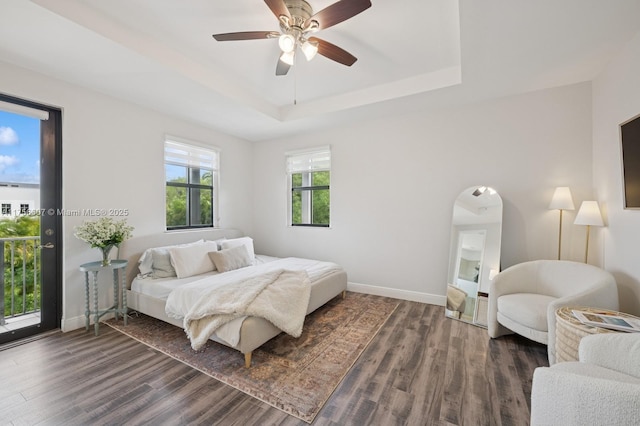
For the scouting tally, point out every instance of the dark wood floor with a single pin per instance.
(421, 369)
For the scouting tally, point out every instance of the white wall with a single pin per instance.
(113, 158)
(616, 98)
(17, 194)
(394, 182)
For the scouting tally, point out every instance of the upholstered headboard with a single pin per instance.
(133, 248)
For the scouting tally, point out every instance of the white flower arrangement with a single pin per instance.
(104, 232)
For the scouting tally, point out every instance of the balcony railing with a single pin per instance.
(19, 277)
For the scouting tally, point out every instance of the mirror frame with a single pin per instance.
(477, 210)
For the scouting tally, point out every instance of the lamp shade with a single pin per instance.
(309, 49)
(589, 214)
(288, 58)
(561, 199)
(287, 43)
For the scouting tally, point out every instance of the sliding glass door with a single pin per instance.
(30, 226)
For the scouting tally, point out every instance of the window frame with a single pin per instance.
(192, 147)
(306, 162)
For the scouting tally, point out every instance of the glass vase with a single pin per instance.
(106, 250)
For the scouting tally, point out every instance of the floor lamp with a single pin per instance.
(589, 215)
(561, 200)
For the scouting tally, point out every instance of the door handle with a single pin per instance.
(47, 246)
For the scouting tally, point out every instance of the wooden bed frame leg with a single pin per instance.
(247, 360)
(344, 294)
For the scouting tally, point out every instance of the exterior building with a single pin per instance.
(19, 198)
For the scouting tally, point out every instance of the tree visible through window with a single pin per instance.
(191, 177)
(309, 181)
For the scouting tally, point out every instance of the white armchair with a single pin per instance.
(603, 388)
(523, 299)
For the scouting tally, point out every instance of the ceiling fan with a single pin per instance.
(297, 22)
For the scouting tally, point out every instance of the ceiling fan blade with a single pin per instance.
(334, 52)
(282, 68)
(246, 35)
(340, 11)
(278, 8)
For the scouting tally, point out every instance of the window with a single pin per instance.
(6, 208)
(24, 208)
(191, 175)
(309, 174)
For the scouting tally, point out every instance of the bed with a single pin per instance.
(149, 293)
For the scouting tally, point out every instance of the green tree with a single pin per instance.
(21, 265)
(176, 205)
(320, 199)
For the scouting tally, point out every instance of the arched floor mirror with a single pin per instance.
(474, 256)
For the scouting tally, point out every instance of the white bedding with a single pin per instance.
(185, 296)
(280, 297)
(192, 288)
(161, 287)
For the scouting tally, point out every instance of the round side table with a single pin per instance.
(91, 271)
(569, 330)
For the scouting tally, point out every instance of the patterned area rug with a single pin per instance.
(296, 376)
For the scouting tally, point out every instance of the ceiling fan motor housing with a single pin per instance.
(300, 12)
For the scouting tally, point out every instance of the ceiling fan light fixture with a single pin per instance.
(288, 57)
(287, 43)
(309, 48)
(312, 26)
(284, 21)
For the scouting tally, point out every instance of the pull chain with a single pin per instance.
(295, 82)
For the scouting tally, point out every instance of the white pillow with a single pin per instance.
(145, 263)
(232, 258)
(244, 241)
(219, 242)
(193, 260)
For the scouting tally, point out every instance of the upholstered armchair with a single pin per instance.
(523, 299)
(603, 388)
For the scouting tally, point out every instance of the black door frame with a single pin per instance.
(50, 206)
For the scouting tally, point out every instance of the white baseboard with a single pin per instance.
(70, 324)
(414, 296)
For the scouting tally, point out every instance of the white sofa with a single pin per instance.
(523, 299)
(603, 388)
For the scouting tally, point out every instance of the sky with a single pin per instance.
(19, 148)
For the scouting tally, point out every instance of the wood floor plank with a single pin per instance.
(420, 369)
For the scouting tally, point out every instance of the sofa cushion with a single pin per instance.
(527, 309)
(577, 393)
(594, 371)
(596, 349)
(529, 333)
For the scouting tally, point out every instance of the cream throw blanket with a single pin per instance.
(281, 297)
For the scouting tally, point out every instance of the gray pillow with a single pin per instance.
(145, 263)
(231, 258)
(161, 265)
